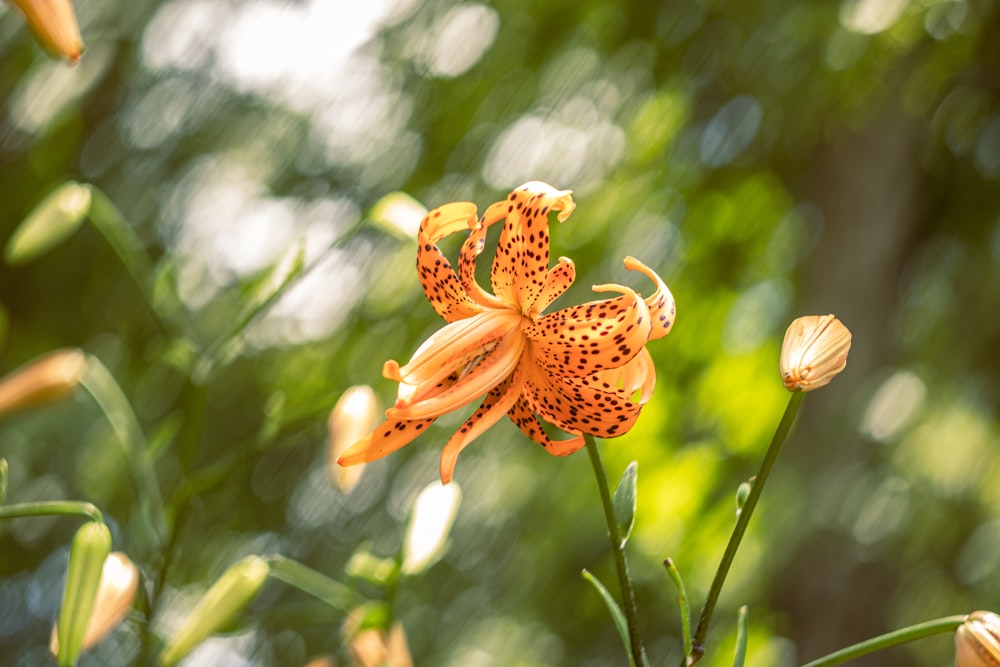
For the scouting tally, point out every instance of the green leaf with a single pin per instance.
(741, 638)
(50, 223)
(259, 294)
(109, 221)
(616, 612)
(624, 501)
(3, 481)
(682, 602)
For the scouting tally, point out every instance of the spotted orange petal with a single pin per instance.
(387, 437)
(661, 305)
(576, 405)
(498, 401)
(437, 277)
(581, 340)
(526, 420)
(471, 249)
(521, 263)
(557, 281)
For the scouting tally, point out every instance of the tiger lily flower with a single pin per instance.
(583, 369)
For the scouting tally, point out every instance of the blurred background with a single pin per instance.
(768, 159)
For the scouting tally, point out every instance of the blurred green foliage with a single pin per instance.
(768, 160)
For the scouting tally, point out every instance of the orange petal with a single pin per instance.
(557, 281)
(526, 420)
(471, 249)
(521, 263)
(498, 401)
(387, 437)
(465, 383)
(437, 277)
(452, 347)
(661, 305)
(580, 405)
(580, 340)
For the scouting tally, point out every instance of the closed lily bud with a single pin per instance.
(90, 549)
(55, 26)
(977, 641)
(115, 595)
(352, 418)
(219, 607)
(378, 648)
(430, 524)
(53, 220)
(814, 352)
(45, 380)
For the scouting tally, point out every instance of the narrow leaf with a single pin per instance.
(108, 395)
(741, 638)
(682, 602)
(3, 481)
(260, 294)
(109, 221)
(624, 501)
(616, 612)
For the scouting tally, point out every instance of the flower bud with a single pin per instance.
(115, 595)
(377, 648)
(52, 221)
(352, 418)
(219, 607)
(430, 523)
(977, 641)
(54, 24)
(814, 352)
(44, 380)
(90, 548)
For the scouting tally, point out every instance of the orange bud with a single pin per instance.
(45, 380)
(55, 26)
(977, 641)
(814, 352)
(115, 595)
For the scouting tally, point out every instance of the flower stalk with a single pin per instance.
(618, 552)
(780, 434)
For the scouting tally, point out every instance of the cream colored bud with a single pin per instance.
(45, 380)
(814, 352)
(376, 648)
(54, 24)
(977, 641)
(115, 595)
(352, 418)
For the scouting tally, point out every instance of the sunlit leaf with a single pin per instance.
(624, 501)
(741, 638)
(617, 615)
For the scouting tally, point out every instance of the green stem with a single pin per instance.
(901, 636)
(618, 551)
(315, 583)
(784, 426)
(52, 508)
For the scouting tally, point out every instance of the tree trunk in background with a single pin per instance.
(867, 185)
